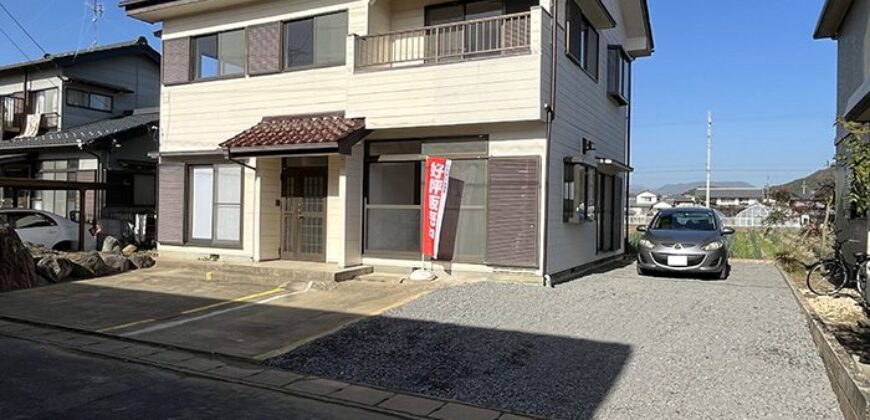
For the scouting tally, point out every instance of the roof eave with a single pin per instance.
(831, 18)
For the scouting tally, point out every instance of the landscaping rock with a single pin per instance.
(89, 265)
(117, 263)
(129, 250)
(111, 244)
(140, 261)
(54, 269)
(17, 270)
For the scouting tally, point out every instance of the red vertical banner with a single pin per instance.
(437, 179)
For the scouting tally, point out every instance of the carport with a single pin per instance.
(17, 184)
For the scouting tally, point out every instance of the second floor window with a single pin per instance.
(43, 101)
(219, 55)
(618, 74)
(582, 40)
(318, 41)
(89, 100)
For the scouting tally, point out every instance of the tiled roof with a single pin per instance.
(757, 193)
(87, 133)
(298, 131)
(138, 46)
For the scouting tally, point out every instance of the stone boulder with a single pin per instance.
(140, 261)
(88, 265)
(117, 263)
(129, 250)
(55, 269)
(111, 244)
(17, 270)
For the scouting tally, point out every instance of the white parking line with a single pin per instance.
(179, 322)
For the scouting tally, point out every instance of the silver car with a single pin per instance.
(684, 240)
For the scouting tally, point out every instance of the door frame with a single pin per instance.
(295, 255)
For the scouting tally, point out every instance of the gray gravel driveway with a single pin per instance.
(610, 346)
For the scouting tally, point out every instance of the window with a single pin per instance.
(611, 212)
(319, 41)
(90, 100)
(393, 194)
(62, 203)
(219, 55)
(578, 193)
(473, 40)
(44, 101)
(582, 40)
(618, 74)
(31, 220)
(216, 204)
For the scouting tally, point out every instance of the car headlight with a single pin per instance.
(645, 243)
(713, 246)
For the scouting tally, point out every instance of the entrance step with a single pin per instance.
(272, 273)
(381, 277)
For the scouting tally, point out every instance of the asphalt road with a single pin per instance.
(38, 381)
(609, 346)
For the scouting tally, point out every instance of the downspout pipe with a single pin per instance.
(551, 117)
(628, 162)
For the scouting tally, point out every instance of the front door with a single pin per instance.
(303, 204)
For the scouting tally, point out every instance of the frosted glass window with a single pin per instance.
(201, 202)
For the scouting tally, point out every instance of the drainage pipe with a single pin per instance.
(551, 116)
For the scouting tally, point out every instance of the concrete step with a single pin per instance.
(381, 277)
(268, 273)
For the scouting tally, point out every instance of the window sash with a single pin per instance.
(215, 210)
(220, 55)
(582, 43)
(318, 41)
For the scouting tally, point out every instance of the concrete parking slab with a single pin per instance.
(174, 307)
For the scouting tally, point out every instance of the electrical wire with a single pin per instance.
(23, 29)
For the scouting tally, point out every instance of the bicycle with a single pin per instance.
(829, 276)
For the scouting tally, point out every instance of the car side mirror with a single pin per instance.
(641, 228)
(728, 230)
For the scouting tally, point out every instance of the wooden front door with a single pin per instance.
(303, 207)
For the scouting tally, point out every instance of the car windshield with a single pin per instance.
(685, 221)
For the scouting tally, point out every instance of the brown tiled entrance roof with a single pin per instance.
(298, 133)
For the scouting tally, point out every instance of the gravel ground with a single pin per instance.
(609, 346)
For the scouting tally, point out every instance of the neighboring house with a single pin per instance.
(684, 201)
(731, 197)
(297, 130)
(94, 118)
(647, 197)
(848, 22)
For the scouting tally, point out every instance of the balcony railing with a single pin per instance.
(12, 113)
(461, 41)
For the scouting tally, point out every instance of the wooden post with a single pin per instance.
(14, 198)
(81, 220)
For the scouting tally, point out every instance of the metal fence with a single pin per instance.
(502, 35)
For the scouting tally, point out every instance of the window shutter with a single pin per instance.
(264, 48)
(512, 212)
(176, 61)
(170, 205)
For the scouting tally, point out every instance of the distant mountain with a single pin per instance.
(812, 181)
(676, 189)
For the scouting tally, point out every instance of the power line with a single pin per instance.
(15, 44)
(23, 29)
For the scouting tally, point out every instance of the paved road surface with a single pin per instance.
(38, 381)
(611, 346)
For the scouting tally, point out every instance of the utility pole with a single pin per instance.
(709, 153)
(97, 11)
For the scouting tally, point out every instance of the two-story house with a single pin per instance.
(732, 197)
(297, 129)
(87, 116)
(848, 22)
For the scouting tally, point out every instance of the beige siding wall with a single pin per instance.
(482, 91)
(334, 211)
(584, 110)
(269, 222)
(351, 191)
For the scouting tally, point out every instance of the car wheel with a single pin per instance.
(641, 271)
(723, 275)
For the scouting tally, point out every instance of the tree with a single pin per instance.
(780, 195)
(855, 158)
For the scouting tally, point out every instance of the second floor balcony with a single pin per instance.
(16, 121)
(447, 43)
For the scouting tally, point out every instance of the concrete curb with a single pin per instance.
(243, 372)
(847, 381)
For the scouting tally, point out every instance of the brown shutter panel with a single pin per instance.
(170, 203)
(264, 48)
(176, 61)
(512, 212)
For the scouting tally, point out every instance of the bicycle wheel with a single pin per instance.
(827, 277)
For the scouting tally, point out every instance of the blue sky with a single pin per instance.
(754, 63)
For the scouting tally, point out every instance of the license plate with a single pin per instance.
(678, 260)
